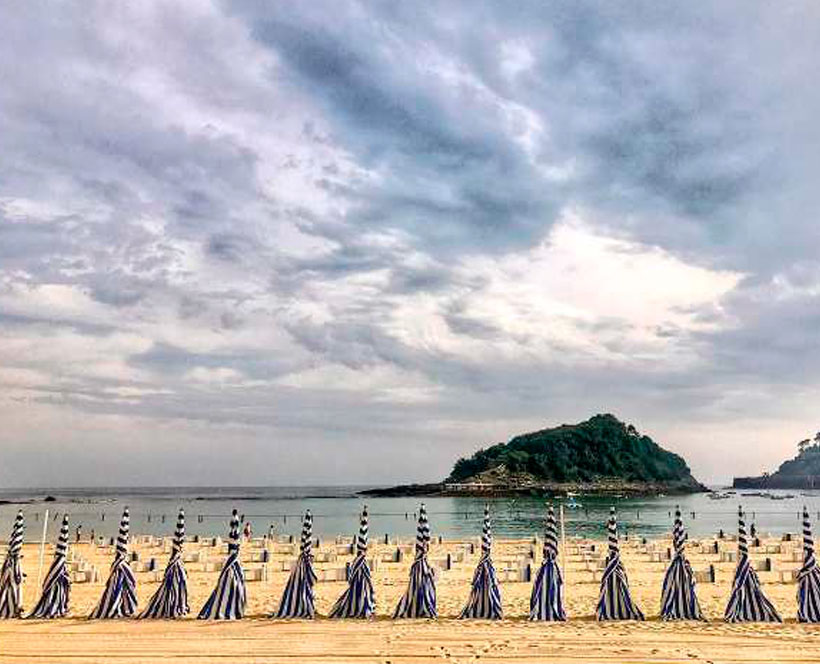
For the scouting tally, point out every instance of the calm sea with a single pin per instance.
(335, 511)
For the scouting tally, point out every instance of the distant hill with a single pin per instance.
(601, 450)
(801, 472)
(600, 455)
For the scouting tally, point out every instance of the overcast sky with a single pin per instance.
(346, 243)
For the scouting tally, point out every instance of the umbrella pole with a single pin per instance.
(563, 541)
(42, 552)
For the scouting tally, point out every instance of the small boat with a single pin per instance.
(573, 504)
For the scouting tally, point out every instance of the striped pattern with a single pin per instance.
(747, 603)
(119, 599)
(808, 579)
(54, 599)
(358, 601)
(228, 599)
(171, 598)
(547, 599)
(615, 601)
(419, 601)
(298, 598)
(11, 577)
(485, 596)
(678, 598)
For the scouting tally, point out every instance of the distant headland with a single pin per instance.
(801, 472)
(599, 456)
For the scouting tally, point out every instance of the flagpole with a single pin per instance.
(42, 551)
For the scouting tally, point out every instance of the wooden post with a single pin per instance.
(42, 552)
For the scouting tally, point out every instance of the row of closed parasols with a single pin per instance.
(747, 602)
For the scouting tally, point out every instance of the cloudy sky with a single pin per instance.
(331, 242)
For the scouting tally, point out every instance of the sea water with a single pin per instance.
(336, 509)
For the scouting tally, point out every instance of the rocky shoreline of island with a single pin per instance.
(546, 490)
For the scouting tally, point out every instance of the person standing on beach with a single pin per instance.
(248, 530)
(79, 532)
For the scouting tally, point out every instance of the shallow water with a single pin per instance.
(335, 511)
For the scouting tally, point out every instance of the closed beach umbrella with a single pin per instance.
(171, 598)
(119, 599)
(485, 596)
(11, 577)
(615, 602)
(747, 603)
(678, 598)
(228, 599)
(54, 600)
(419, 601)
(808, 579)
(358, 601)
(547, 599)
(297, 598)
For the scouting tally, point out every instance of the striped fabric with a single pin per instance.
(808, 579)
(547, 599)
(419, 601)
(358, 601)
(54, 600)
(678, 598)
(615, 602)
(747, 603)
(228, 599)
(171, 598)
(297, 598)
(119, 599)
(11, 577)
(485, 596)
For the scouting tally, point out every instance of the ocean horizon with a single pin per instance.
(279, 509)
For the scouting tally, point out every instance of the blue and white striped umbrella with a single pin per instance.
(679, 600)
(228, 599)
(547, 599)
(485, 596)
(119, 599)
(11, 576)
(747, 603)
(419, 601)
(297, 598)
(808, 579)
(171, 598)
(54, 600)
(358, 601)
(615, 602)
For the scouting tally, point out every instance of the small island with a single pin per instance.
(599, 456)
(801, 472)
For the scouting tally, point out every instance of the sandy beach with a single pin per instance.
(259, 639)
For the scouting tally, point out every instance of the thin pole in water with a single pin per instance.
(42, 552)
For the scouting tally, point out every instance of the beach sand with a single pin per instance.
(259, 639)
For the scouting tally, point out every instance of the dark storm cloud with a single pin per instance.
(454, 176)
